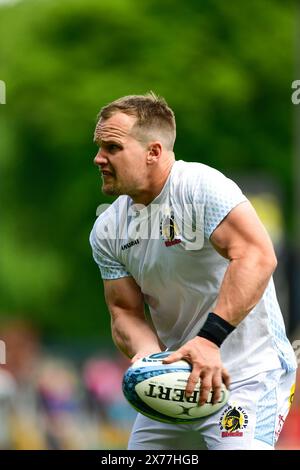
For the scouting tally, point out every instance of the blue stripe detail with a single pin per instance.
(266, 413)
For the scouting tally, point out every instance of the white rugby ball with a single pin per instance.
(157, 390)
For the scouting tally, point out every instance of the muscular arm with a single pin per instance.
(131, 332)
(242, 239)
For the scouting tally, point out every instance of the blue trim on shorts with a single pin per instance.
(266, 413)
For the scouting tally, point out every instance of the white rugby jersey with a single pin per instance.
(165, 247)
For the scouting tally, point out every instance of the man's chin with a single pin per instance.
(110, 190)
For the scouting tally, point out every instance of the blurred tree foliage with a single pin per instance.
(226, 69)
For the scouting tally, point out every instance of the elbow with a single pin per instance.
(268, 263)
(274, 262)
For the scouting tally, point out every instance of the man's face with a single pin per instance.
(121, 158)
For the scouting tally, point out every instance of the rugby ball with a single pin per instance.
(157, 391)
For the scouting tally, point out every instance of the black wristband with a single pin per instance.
(215, 329)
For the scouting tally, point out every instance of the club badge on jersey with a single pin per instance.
(169, 230)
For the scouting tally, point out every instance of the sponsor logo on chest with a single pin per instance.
(130, 244)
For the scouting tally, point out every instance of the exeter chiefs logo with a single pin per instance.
(169, 230)
(232, 422)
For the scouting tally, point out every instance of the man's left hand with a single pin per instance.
(205, 358)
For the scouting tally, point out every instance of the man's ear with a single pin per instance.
(154, 152)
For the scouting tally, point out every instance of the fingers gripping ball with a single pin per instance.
(157, 390)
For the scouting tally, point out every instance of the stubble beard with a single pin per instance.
(115, 188)
(111, 188)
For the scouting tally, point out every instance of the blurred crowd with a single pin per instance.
(50, 400)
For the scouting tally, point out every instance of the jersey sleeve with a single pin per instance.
(110, 267)
(220, 195)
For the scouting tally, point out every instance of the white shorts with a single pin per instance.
(252, 419)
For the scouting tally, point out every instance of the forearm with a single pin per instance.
(133, 335)
(243, 285)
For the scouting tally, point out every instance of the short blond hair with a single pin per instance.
(154, 116)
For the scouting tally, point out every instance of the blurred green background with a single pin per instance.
(225, 68)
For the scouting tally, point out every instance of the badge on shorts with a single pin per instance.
(233, 421)
(292, 393)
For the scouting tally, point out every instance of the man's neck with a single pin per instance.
(155, 184)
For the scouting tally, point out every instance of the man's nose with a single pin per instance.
(100, 158)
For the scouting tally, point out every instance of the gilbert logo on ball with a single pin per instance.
(157, 390)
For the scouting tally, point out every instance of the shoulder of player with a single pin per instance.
(188, 172)
(109, 217)
(191, 178)
(110, 211)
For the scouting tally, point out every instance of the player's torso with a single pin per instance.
(164, 263)
(164, 248)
